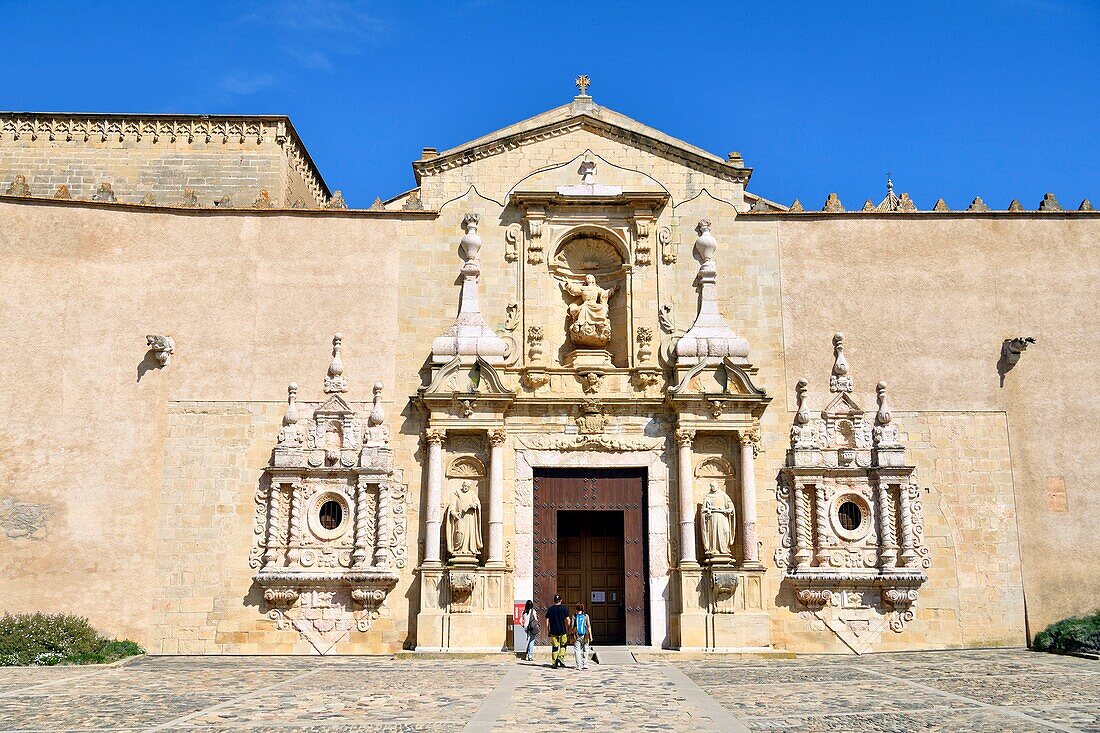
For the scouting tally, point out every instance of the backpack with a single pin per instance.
(582, 625)
(532, 622)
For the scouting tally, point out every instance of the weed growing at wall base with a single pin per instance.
(40, 639)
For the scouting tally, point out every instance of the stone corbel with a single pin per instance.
(536, 216)
(901, 600)
(724, 587)
(643, 224)
(368, 601)
(461, 585)
(814, 599)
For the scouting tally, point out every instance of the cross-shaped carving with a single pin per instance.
(582, 83)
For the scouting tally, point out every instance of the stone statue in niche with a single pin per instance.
(589, 321)
(718, 514)
(464, 526)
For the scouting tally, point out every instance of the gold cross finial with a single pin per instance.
(582, 83)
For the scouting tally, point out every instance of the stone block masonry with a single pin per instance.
(154, 158)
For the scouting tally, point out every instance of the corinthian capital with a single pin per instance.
(684, 437)
(497, 437)
(434, 436)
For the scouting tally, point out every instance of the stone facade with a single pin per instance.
(158, 482)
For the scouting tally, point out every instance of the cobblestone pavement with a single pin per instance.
(963, 692)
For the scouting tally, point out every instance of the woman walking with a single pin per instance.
(530, 621)
(582, 628)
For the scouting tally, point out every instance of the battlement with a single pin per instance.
(192, 160)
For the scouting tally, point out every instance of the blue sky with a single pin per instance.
(999, 99)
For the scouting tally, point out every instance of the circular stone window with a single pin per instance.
(328, 516)
(851, 517)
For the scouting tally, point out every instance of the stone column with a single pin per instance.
(684, 439)
(433, 510)
(905, 499)
(271, 538)
(803, 542)
(888, 551)
(821, 513)
(359, 553)
(496, 498)
(383, 525)
(749, 550)
(294, 537)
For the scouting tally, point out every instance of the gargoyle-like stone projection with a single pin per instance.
(331, 517)
(850, 518)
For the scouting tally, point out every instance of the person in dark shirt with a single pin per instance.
(557, 628)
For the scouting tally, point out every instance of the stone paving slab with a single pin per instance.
(973, 691)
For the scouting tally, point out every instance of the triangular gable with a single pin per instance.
(579, 115)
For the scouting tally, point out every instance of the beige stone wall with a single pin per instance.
(215, 157)
(252, 301)
(137, 484)
(926, 302)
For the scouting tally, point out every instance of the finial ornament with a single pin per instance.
(471, 242)
(583, 82)
(884, 434)
(802, 416)
(839, 381)
(706, 244)
(336, 381)
(291, 415)
(377, 415)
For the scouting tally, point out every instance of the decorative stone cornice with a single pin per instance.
(583, 121)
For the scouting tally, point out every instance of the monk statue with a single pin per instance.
(718, 515)
(589, 323)
(464, 525)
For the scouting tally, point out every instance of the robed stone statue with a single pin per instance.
(718, 513)
(589, 322)
(463, 525)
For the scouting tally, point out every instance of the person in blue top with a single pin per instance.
(582, 630)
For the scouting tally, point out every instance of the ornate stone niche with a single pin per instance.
(590, 266)
(850, 518)
(330, 519)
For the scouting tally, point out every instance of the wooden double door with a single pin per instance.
(589, 547)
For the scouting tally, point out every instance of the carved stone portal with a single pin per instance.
(331, 518)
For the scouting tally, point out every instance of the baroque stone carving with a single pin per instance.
(331, 517)
(669, 248)
(162, 347)
(592, 419)
(513, 234)
(718, 520)
(19, 187)
(724, 584)
(709, 338)
(104, 194)
(850, 518)
(463, 525)
(469, 336)
(589, 317)
(337, 201)
(590, 442)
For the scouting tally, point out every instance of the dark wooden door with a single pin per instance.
(590, 570)
(597, 491)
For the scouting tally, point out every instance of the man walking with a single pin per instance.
(557, 628)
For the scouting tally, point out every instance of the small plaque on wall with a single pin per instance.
(598, 596)
(1056, 494)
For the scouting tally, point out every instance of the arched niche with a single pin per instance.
(468, 469)
(591, 250)
(717, 470)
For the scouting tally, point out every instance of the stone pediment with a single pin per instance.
(582, 114)
(606, 182)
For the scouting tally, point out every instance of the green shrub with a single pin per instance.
(47, 639)
(1077, 634)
